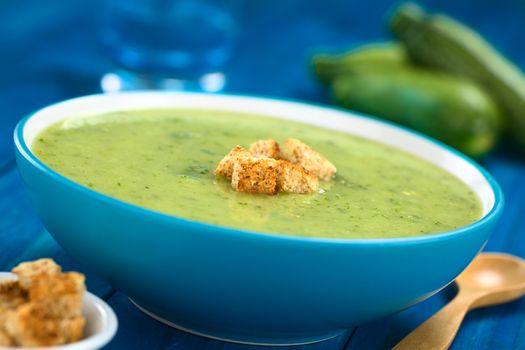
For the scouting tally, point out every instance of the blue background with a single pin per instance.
(50, 52)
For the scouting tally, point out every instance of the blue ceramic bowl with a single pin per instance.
(245, 286)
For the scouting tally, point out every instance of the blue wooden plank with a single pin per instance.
(386, 332)
(501, 327)
(39, 36)
(23, 238)
(509, 171)
(19, 224)
(138, 331)
(496, 327)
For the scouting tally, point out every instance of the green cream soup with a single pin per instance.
(164, 160)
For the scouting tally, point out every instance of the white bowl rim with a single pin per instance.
(491, 196)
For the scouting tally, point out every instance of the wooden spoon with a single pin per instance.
(491, 279)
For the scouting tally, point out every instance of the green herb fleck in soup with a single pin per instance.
(164, 160)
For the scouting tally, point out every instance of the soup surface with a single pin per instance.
(164, 160)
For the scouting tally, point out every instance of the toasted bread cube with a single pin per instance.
(225, 166)
(265, 149)
(58, 295)
(255, 175)
(3, 313)
(312, 161)
(43, 307)
(72, 329)
(11, 295)
(27, 271)
(28, 328)
(5, 339)
(8, 285)
(294, 179)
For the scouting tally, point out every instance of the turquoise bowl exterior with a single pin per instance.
(244, 286)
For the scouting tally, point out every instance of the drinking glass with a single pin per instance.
(167, 44)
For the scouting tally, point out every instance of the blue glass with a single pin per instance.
(166, 43)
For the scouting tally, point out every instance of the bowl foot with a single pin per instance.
(267, 342)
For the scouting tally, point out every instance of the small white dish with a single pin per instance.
(101, 324)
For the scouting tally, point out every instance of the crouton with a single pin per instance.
(225, 166)
(265, 149)
(27, 328)
(58, 296)
(7, 285)
(43, 307)
(294, 179)
(28, 270)
(312, 161)
(5, 339)
(255, 175)
(11, 295)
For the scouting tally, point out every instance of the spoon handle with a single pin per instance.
(438, 332)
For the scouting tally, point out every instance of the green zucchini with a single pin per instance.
(441, 42)
(451, 109)
(376, 56)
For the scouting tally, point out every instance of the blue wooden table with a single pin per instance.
(49, 52)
